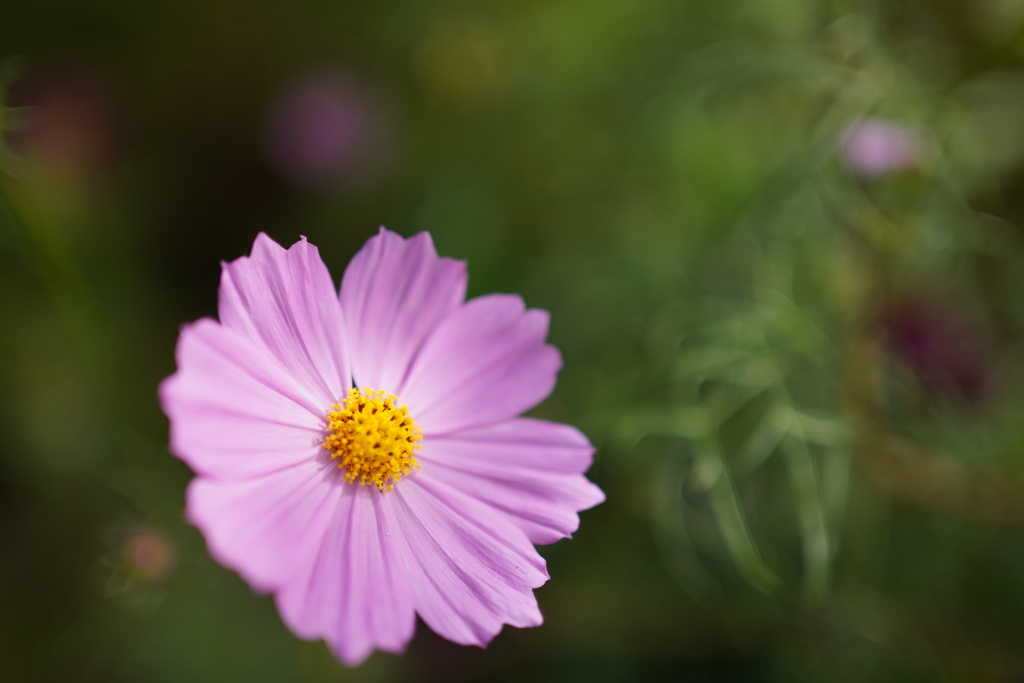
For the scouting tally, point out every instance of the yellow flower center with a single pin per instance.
(372, 439)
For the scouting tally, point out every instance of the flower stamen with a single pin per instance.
(372, 438)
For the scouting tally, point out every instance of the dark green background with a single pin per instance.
(790, 496)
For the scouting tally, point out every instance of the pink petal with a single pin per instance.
(485, 363)
(530, 470)
(284, 301)
(234, 412)
(471, 568)
(267, 528)
(356, 593)
(393, 293)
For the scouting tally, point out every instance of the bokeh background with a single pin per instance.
(781, 241)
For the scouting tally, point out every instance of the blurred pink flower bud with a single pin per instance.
(326, 130)
(64, 122)
(149, 554)
(872, 147)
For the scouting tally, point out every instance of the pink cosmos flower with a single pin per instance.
(362, 456)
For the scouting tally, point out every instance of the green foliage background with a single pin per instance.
(788, 498)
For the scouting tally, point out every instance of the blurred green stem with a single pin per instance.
(810, 512)
(732, 522)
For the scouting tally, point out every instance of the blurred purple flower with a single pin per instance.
(948, 353)
(65, 122)
(327, 130)
(872, 147)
